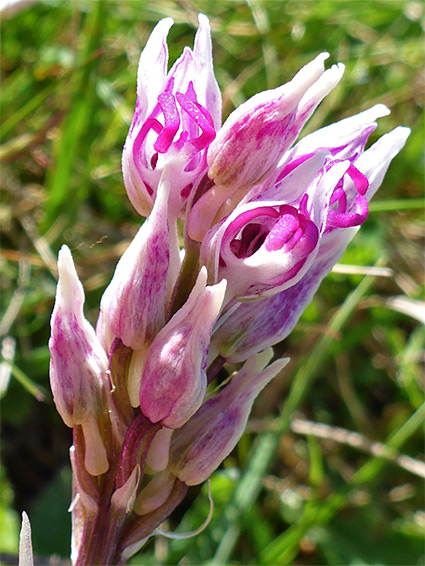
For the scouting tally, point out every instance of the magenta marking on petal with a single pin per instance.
(294, 230)
(149, 189)
(355, 217)
(194, 162)
(291, 273)
(303, 206)
(154, 160)
(289, 167)
(310, 234)
(284, 229)
(243, 246)
(190, 93)
(337, 194)
(200, 116)
(168, 106)
(204, 186)
(150, 124)
(249, 215)
(185, 192)
(182, 140)
(358, 211)
(340, 197)
(360, 181)
(355, 146)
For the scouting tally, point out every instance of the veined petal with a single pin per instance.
(200, 446)
(78, 362)
(135, 300)
(174, 379)
(260, 126)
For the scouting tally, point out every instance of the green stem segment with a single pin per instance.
(187, 276)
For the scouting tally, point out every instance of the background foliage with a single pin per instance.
(293, 491)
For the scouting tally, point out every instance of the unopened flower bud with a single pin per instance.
(199, 447)
(174, 378)
(135, 300)
(78, 363)
(259, 127)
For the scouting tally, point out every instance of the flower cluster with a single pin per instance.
(265, 218)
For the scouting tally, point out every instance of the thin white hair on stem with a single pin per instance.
(199, 530)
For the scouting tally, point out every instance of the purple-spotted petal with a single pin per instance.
(134, 302)
(174, 381)
(260, 126)
(78, 362)
(200, 446)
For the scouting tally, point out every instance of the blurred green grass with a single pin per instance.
(68, 73)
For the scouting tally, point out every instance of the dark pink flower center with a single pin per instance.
(285, 229)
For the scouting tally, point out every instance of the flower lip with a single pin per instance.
(275, 230)
(167, 105)
(261, 249)
(349, 215)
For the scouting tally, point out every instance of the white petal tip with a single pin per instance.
(201, 280)
(403, 132)
(166, 22)
(65, 261)
(64, 251)
(381, 110)
(339, 68)
(25, 545)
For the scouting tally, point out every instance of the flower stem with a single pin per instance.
(187, 276)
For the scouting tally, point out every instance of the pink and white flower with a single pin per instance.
(176, 117)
